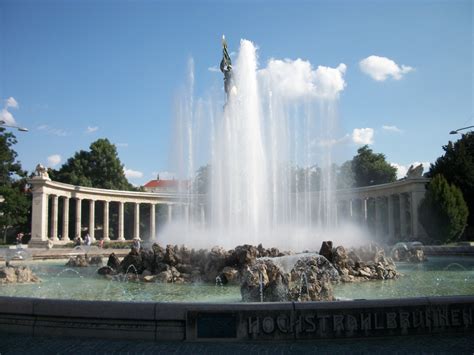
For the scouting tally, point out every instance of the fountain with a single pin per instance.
(273, 120)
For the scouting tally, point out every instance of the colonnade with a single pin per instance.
(53, 199)
(389, 210)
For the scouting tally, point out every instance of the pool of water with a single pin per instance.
(439, 276)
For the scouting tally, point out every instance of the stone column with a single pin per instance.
(106, 222)
(78, 217)
(65, 235)
(121, 237)
(186, 214)
(136, 226)
(92, 220)
(54, 217)
(403, 220)
(152, 222)
(416, 229)
(170, 213)
(203, 216)
(351, 212)
(391, 224)
(366, 219)
(378, 216)
(39, 215)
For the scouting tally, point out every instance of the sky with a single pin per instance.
(76, 71)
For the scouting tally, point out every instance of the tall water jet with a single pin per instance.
(239, 195)
(270, 145)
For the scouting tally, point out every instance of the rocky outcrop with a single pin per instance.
(263, 274)
(17, 274)
(309, 279)
(362, 264)
(84, 261)
(404, 252)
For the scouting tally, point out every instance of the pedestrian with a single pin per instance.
(19, 238)
(87, 239)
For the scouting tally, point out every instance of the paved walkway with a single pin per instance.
(434, 344)
(65, 253)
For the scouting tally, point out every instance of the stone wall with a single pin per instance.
(240, 321)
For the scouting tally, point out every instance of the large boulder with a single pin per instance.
(17, 274)
(326, 250)
(264, 281)
(132, 263)
(113, 262)
(78, 261)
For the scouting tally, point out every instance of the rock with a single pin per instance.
(184, 268)
(164, 276)
(149, 278)
(106, 270)
(326, 250)
(132, 262)
(78, 261)
(17, 274)
(245, 255)
(264, 279)
(230, 275)
(113, 262)
(170, 256)
(96, 260)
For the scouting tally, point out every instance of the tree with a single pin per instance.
(370, 168)
(14, 209)
(345, 176)
(100, 167)
(202, 178)
(457, 166)
(443, 212)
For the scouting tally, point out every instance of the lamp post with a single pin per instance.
(460, 129)
(22, 129)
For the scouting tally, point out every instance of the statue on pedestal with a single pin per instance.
(41, 172)
(226, 68)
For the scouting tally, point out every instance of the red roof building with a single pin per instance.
(159, 185)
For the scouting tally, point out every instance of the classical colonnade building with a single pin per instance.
(48, 195)
(389, 210)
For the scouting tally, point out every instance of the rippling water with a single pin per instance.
(440, 276)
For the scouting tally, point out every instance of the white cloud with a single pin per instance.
(164, 175)
(380, 68)
(403, 169)
(6, 115)
(133, 174)
(51, 130)
(11, 102)
(297, 78)
(91, 129)
(391, 129)
(363, 136)
(214, 69)
(54, 160)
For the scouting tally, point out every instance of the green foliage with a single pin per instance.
(345, 176)
(201, 181)
(99, 167)
(370, 168)
(457, 166)
(14, 210)
(443, 212)
(9, 166)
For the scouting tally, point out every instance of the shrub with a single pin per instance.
(443, 212)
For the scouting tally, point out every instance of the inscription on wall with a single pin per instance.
(306, 323)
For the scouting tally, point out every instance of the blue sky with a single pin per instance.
(76, 71)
